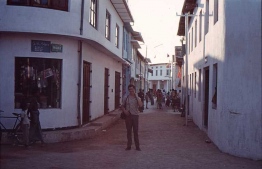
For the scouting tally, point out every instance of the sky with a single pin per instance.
(157, 22)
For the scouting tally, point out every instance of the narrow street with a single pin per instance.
(165, 143)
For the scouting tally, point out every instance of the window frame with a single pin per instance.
(108, 25)
(196, 33)
(215, 11)
(32, 3)
(117, 36)
(93, 13)
(200, 26)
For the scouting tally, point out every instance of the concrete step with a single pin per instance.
(83, 132)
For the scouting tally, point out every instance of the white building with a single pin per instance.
(160, 78)
(130, 54)
(67, 54)
(224, 72)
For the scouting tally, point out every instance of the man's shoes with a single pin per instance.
(128, 148)
(138, 149)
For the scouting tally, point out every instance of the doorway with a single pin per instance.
(86, 92)
(117, 90)
(206, 96)
(106, 90)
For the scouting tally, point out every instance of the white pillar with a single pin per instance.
(158, 84)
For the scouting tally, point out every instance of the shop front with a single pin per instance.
(40, 78)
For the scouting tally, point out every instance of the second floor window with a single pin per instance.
(52, 4)
(117, 36)
(93, 13)
(108, 21)
(215, 11)
(160, 72)
(167, 72)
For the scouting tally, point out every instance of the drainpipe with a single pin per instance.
(79, 82)
(82, 17)
(80, 66)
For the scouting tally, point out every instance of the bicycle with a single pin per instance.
(15, 133)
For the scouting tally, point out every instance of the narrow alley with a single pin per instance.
(165, 142)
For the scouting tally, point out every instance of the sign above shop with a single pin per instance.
(56, 48)
(40, 46)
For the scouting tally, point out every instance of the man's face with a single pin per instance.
(131, 90)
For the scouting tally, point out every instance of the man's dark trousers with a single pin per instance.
(132, 123)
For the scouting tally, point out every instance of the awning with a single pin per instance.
(135, 44)
(123, 10)
(137, 36)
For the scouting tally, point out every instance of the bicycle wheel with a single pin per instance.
(18, 134)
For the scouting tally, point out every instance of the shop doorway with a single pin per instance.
(86, 92)
(206, 96)
(117, 90)
(106, 90)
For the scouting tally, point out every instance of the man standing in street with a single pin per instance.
(130, 107)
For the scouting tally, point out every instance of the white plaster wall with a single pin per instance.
(14, 45)
(234, 43)
(49, 21)
(99, 61)
(242, 114)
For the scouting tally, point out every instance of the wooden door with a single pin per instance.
(106, 90)
(86, 92)
(206, 96)
(117, 90)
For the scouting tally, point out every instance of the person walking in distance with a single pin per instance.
(141, 95)
(130, 107)
(159, 98)
(25, 123)
(147, 98)
(35, 132)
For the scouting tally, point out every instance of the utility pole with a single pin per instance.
(186, 74)
(145, 74)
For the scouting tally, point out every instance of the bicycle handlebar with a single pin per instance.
(16, 114)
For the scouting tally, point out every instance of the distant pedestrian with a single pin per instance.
(35, 132)
(167, 99)
(150, 95)
(147, 98)
(141, 95)
(164, 96)
(159, 98)
(25, 123)
(130, 107)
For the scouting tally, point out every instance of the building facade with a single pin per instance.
(68, 54)
(161, 77)
(223, 73)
